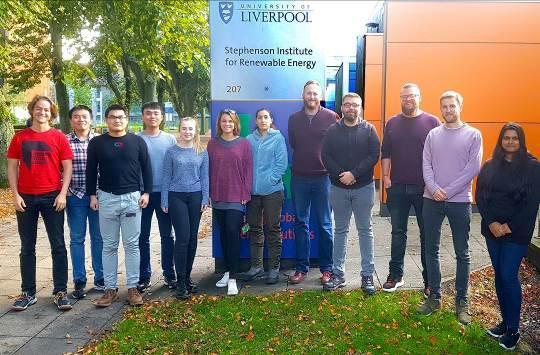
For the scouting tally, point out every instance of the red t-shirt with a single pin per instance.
(40, 156)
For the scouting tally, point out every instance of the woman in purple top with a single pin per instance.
(231, 176)
(507, 196)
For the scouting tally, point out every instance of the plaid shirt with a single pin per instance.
(77, 186)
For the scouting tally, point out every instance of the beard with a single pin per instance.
(351, 118)
(408, 110)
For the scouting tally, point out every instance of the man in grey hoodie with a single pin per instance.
(349, 153)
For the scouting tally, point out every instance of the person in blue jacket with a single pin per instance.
(270, 161)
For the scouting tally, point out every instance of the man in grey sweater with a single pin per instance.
(452, 158)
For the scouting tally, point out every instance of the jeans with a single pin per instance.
(344, 203)
(167, 239)
(78, 212)
(54, 224)
(265, 211)
(185, 214)
(229, 223)
(459, 217)
(399, 201)
(506, 259)
(120, 213)
(311, 194)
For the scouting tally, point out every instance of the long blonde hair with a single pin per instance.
(196, 138)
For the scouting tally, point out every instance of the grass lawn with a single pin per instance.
(303, 322)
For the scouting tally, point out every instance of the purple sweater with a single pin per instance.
(403, 143)
(452, 158)
(231, 170)
(306, 139)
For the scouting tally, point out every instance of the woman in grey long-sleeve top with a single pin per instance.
(184, 195)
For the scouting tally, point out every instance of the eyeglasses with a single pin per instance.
(228, 111)
(408, 97)
(349, 105)
(116, 117)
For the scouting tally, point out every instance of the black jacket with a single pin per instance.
(500, 202)
(355, 149)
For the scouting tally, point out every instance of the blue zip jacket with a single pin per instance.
(270, 161)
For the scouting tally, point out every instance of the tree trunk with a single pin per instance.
(146, 82)
(128, 82)
(3, 43)
(57, 68)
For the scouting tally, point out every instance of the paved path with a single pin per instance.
(43, 329)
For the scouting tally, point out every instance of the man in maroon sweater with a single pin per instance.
(310, 184)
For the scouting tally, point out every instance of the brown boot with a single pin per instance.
(107, 299)
(134, 297)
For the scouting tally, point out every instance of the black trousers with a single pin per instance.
(230, 224)
(185, 214)
(54, 224)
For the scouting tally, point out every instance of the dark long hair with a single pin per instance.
(520, 162)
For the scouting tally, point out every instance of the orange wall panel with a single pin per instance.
(471, 21)
(498, 81)
(374, 48)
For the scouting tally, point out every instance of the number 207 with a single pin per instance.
(233, 88)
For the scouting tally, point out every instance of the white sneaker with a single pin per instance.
(232, 289)
(224, 280)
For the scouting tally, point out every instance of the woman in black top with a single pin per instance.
(507, 196)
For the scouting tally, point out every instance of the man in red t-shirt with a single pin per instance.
(39, 173)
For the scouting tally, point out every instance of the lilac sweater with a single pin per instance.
(231, 170)
(452, 159)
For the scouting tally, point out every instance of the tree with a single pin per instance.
(34, 46)
(160, 43)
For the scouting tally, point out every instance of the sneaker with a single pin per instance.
(462, 312)
(367, 285)
(326, 276)
(232, 289)
(170, 282)
(23, 301)
(181, 291)
(143, 286)
(509, 340)
(272, 277)
(297, 278)
(99, 285)
(392, 283)
(426, 292)
(335, 282)
(224, 281)
(61, 301)
(191, 287)
(79, 291)
(429, 306)
(134, 297)
(252, 274)
(497, 331)
(107, 299)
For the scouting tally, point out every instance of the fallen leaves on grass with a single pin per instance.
(6, 206)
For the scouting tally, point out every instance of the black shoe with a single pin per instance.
(79, 291)
(367, 285)
(181, 291)
(509, 340)
(23, 301)
(170, 282)
(497, 331)
(191, 287)
(143, 285)
(99, 285)
(272, 277)
(61, 301)
(335, 283)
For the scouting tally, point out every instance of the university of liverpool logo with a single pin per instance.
(226, 11)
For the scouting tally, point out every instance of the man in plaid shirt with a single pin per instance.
(78, 205)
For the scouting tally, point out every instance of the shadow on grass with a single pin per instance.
(304, 322)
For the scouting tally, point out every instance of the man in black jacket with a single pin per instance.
(350, 151)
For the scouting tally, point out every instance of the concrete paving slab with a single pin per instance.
(10, 344)
(39, 346)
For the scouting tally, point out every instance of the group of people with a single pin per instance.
(118, 180)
